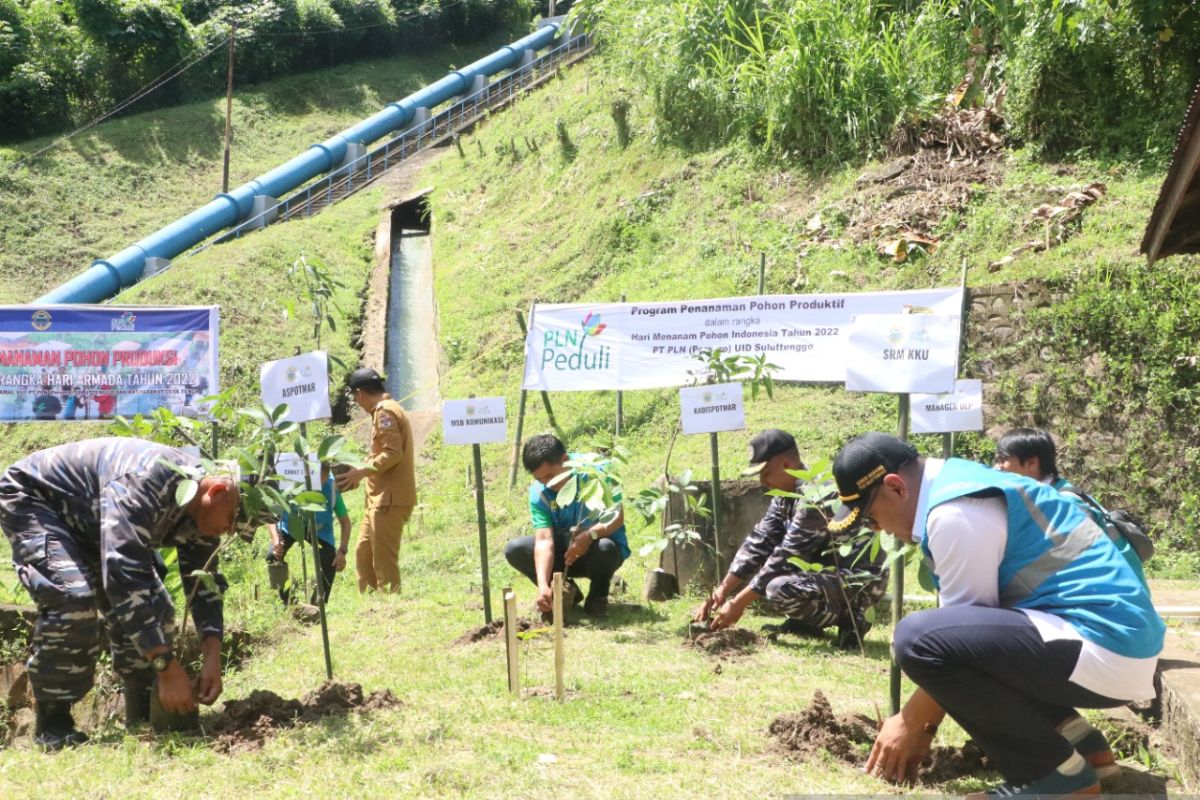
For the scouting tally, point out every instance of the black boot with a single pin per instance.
(795, 627)
(55, 728)
(851, 630)
(137, 706)
(596, 605)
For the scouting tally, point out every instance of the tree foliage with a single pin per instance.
(65, 61)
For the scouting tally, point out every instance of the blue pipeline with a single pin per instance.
(106, 277)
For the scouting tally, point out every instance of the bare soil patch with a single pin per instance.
(848, 737)
(493, 630)
(726, 643)
(245, 724)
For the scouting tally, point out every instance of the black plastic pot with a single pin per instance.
(163, 721)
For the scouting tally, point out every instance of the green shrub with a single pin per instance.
(1103, 77)
(821, 80)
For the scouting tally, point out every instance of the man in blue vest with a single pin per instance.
(1031, 452)
(1040, 615)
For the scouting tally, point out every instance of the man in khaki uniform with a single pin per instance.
(391, 487)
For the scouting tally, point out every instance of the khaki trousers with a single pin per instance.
(377, 555)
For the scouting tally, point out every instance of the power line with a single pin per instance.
(168, 76)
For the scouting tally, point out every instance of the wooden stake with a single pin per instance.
(557, 586)
(510, 641)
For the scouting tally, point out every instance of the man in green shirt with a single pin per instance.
(564, 539)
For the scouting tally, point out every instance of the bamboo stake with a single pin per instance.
(557, 586)
(510, 641)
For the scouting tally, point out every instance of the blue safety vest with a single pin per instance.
(1057, 560)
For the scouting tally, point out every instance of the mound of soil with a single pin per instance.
(493, 630)
(724, 643)
(849, 737)
(816, 729)
(949, 763)
(245, 724)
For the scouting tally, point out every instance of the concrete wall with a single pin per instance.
(743, 505)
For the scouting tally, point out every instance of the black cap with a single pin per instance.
(364, 377)
(767, 445)
(859, 467)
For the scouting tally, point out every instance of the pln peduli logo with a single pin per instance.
(41, 320)
(592, 326)
(566, 349)
(125, 322)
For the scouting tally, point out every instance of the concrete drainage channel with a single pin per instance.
(410, 357)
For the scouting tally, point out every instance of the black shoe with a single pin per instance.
(596, 606)
(137, 706)
(55, 728)
(796, 628)
(851, 632)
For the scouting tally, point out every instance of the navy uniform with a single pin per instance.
(84, 521)
(837, 595)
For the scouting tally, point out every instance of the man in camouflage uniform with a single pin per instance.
(390, 483)
(84, 520)
(837, 595)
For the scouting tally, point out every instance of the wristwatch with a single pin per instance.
(594, 536)
(161, 661)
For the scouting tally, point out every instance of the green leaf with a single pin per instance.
(207, 580)
(185, 491)
(566, 494)
(330, 446)
(311, 498)
(925, 577)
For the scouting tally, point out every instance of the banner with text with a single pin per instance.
(300, 381)
(583, 347)
(960, 410)
(78, 363)
(903, 353)
(479, 420)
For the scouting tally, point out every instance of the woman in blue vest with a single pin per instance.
(1040, 615)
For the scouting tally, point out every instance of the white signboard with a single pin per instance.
(584, 347)
(291, 469)
(302, 382)
(479, 420)
(960, 410)
(711, 409)
(903, 353)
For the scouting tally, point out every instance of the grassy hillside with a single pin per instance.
(646, 716)
(120, 181)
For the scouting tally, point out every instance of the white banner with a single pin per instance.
(291, 469)
(903, 353)
(712, 409)
(300, 381)
(584, 347)
(479, 420)
(960, 410)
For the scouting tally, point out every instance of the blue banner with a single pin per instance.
(81, 363)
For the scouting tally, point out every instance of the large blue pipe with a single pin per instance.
(106, 277)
